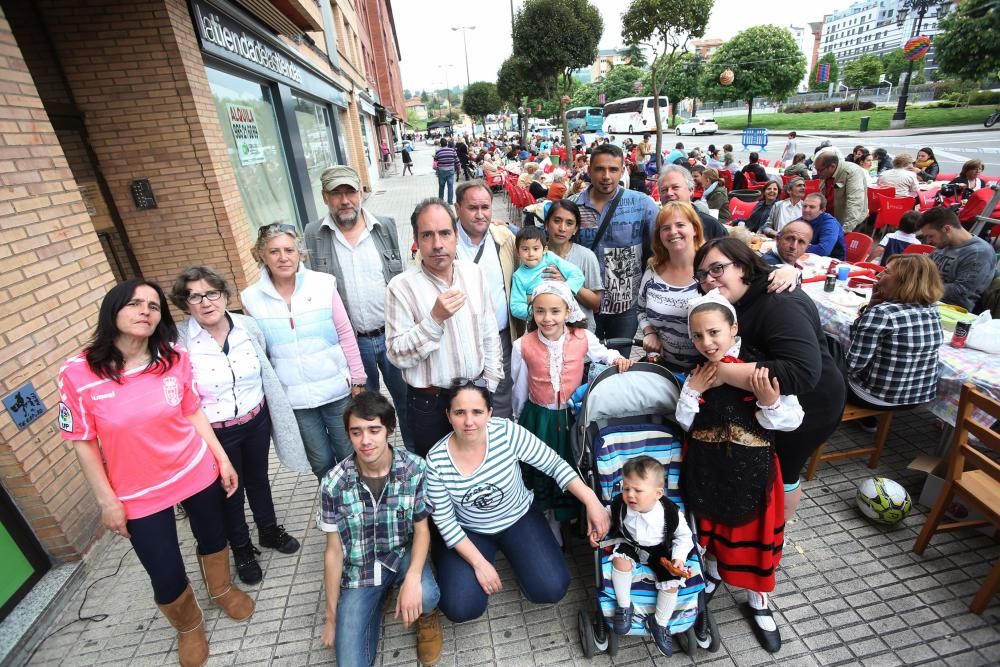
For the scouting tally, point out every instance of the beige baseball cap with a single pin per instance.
(338, 175)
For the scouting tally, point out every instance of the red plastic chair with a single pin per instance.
(727, 178)
(945, 177)
(891, 209)
(741, 210)
(874, 201)
(495, 179)
(919, 249)
(927, 199)
(858, 245)
(812, 186)
(785, 179)
(871, 266)
(766, 163)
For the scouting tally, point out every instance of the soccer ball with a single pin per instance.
(883, 500)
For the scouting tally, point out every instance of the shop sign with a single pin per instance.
(246, 133)
(225, 33)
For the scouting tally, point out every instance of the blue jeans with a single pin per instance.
(359, 615)
(324, 435)
(428, 421)
(446, 177)
(533, 552)
(374, 359)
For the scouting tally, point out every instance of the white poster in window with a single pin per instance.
(246, 134)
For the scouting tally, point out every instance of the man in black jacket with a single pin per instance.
(677, 184)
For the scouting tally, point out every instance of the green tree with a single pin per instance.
(895, 63)
(556, 37)
(634, 55)
(620, 82)
(407, 94)
(585, 96)
(827, 59)
(765, 61)
(683, 81)
(481, 100)
(969, 44)
(664, 26)
(515, 82)
(862, 72)
(424, 97)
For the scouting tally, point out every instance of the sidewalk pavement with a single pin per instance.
(906, 132)
(849, 592)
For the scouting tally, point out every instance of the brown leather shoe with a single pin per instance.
(186, 617)
(429, 639)
(215, 569)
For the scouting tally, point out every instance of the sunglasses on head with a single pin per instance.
(276, 227)
(462, 383)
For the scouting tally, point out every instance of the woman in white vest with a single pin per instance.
(310, 342)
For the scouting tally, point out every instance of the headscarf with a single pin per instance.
(713, 296)
(561, 290)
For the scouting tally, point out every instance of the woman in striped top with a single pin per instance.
(481, 505)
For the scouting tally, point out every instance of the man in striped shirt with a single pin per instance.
(440, 324)
(446, 164)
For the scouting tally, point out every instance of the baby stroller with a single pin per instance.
(624, 415)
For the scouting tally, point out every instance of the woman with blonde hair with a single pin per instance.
(892, 360)
(900, 176)
(524, 180)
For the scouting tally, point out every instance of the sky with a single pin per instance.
(433, 53)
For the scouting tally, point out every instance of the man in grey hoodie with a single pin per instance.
(966, 262)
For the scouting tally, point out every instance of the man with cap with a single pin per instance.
(361, 251)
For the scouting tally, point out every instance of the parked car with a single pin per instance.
(696, 126)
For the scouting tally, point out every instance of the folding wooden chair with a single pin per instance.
(979, 487)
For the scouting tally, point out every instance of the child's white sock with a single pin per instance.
(665, 603)
(622, 583)
(712, 568)
(759, 601)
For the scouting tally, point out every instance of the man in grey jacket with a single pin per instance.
(361, 251)
(845, 186)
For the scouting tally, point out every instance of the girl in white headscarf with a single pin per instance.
(547, 367)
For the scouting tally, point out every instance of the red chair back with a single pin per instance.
(727, 177)
(871, 266)
(945, 177)
(919, 249)
(874, 201)
(858, 245)
(927, 199)
(749, 178)
(494, 179)
(741, 210)
(785, 179)
(812, 186)
(766, 163)
(891, 209)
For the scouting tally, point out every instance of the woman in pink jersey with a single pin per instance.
(129, 404)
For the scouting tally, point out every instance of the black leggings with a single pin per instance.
(154, 538)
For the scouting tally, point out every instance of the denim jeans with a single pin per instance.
(620, 325)
(428, 422)
(503, 397)
(154, 539)
(324, 435)
(247, 446)
(359, 615)
(446, 177)
(533, 552)
(374, 359)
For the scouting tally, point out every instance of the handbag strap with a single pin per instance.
(609, 213)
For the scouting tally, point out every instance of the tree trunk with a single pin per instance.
(694, 106)
(656, 117)
(857, 99)
(750, 112)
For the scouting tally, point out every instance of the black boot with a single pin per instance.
(247, 567)
(275, 537)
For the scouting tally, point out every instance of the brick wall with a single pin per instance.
(52, 276)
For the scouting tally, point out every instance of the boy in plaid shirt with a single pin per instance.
(374, 510)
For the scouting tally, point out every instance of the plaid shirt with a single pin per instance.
(894, 352)
(373, 535)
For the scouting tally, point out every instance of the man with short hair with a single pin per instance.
(844, 186)
(793, 241)
(966, 262)
(676, 184)
(361, 250)
(644, 149)
(617, 225)
(755, 168)
(676, 154)
(440, 324)
(492, 248)
(374, 510)
(827, 234)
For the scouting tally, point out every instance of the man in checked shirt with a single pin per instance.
(374, 510)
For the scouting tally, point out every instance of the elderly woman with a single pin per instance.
(762, 210)
(310, 342)
(128, 403)
(714, 192)
(537, 187)
(481, 506)
(558, 188)
(787, 209)
(798, 167)
(527, 174)
(901, 176)
(244, 401)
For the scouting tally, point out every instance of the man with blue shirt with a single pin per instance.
(828, 235)
(621, 245)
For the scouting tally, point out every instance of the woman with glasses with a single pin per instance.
(246, 405)
(481, 506)
(310, 342)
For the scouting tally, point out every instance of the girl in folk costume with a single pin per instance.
(732, 482)
(547, 367)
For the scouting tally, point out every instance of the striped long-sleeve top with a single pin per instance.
(493, 497)
(447, 158)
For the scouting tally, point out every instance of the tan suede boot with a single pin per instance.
(215, 569)
(186, 617)
(429, 639)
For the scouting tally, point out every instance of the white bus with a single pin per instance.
(634, 115)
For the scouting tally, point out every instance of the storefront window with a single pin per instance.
(317, 144)
(250, 128)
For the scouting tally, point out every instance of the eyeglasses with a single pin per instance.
(716, 270)
(276, 227)
(462, 383)
(195, 298)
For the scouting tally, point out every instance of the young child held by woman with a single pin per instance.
(530, 245)
(731, 479)
(547, 367)
(655, 533)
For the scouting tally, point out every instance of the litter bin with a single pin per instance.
(864, 123)
(746, 195)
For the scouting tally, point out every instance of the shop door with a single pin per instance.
(24, 561)
(371, 150)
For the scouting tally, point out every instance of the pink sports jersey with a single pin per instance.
(153, 456)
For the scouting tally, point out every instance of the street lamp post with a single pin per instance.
(465, 44)
(921, 7)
